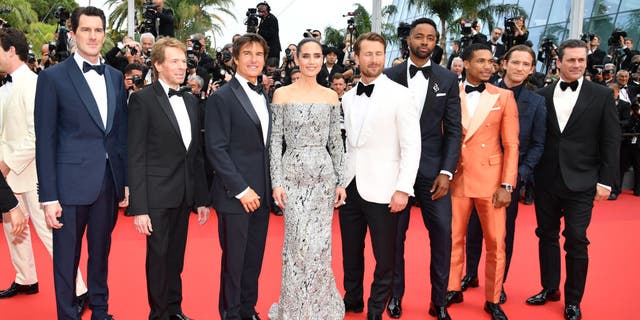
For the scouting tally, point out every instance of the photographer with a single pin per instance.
(289, 61)
(124, 53)
(629, 53)
(596, 55)
(515, 32)
(608, 72)
(628, 91)
(158, 20)
(497, 48)
(330, 67)
(133, 77)
(268, 29)
(455, 52)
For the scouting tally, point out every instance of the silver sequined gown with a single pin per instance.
(309, 171)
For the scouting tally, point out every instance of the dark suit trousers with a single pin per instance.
(436, 215)
(554, 202)
(474, 236)
(98, 219)
(355, 216)
(630, 156)
(242, 238)
(165, 260)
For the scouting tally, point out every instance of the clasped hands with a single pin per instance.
(280, 197)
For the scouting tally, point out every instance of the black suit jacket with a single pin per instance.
(162, 172)
(587, 151)
(235, 148)
(166, 26)
(500, 49)
(440, 121)
(269, 30)
(8, 200)
(324, 76)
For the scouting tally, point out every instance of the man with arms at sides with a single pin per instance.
(578, 166)
(17, 162)
(166, 174)
(81, 136)
(382, 123)
(437, 98)
(237, 128)
(486, 173)
(518, 64)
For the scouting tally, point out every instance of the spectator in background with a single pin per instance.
(196, 84)
(338, 84)
(269, 30)
(609, 72)
(519, 35)
(457, 66)
(133, 77)
(295, 75)
(330, 67)
(455, 52)
(396, 61)
(147, 40)
(624, 114)
(628, 91)
(596, 55)
(497, 48)
(165, 27)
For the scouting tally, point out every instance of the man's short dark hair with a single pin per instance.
(468, 52)
(337, 76)
(10, 37)
(571, 43)
(87, 11)
(418, 21)
(133, 66)
(246, 39)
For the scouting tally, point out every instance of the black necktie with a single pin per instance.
(469, 89)
(573, 85)
(364, 89)
(86, 67)
(179, 92)
(426, 71)
(8, 78)
(258, 88)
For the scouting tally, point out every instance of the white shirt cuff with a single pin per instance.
(50, 202)
(605, 186)
(241, 194)
(447, 173)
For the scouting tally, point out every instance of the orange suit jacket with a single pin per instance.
(489, 154)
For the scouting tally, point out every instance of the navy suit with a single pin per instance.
(236, 149)
(532, 115)
(441, 132)
(82, 164)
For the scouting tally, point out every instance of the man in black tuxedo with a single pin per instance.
(166, 175)
(269, 30)
(435, 91)
(163, 24)
(578, 166)
(9, 205)
(596, 55)
(518, 64)
(237, 128)
(330, 67)
(497, 48)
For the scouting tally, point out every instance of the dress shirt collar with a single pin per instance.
(580, 81)
(20, 70)
(80, 60)
(243, 82)
(166, 87)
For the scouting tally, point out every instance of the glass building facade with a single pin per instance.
(546, 19)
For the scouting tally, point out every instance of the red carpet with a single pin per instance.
(614, 251)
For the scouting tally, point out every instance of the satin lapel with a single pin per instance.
(547, 92)
(81, 85)
(581, 104)
(347, 99)
(111, 98)
(246, 104)
(402, 74)
(372, 108)
(431, 94)
(192, 110)
(486, 102)
(163, 101)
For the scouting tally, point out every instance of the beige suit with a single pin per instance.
(17, 150)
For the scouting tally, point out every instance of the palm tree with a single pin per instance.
(21, 14)
(444, 9)
(362, 24)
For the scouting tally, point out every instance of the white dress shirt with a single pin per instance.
(473, 98)
(97, 85)
(360, 108)
(180, 111)
(564, 101)
(419, 85)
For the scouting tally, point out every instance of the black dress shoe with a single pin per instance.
(495, 311)
(454, 297)
(374, 316)
(469, 281)
(179, 316)
(572, 312)
(83, 303)
(19, 288)
(353, 307)
(613, 196)
(544, 295)
(439, 312)
(253, 317)
(394, 308)
(503, 296)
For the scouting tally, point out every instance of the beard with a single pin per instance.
(367, 72)
(416, 52)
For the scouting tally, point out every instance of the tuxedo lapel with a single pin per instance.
(84, 92)
(192, 110)
(486, 102)
(581, 104)
(163, 101)
(111, 98)
(547, 92)
(434, 86)
(367, 128)
(246, 103)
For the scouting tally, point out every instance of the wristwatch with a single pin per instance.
(507, 187)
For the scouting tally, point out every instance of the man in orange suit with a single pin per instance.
(486, 173)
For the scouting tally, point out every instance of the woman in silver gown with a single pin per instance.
(307, 184)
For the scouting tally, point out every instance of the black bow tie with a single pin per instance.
(364, 89)
(426, 71)
(179, 92)
(86, 67)
(469, 89)
(573, 85)
(8, 78)
(258, 88)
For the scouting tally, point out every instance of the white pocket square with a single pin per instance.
(441, 94)
(495, 108)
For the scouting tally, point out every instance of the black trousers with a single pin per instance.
(242, 238)
(436, 215)
(553, 203)
(355, 217)
(630, 157)
(98, 219)
(165, 260)
(474, 236)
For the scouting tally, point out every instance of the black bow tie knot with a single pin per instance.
(366, 89)
(426, 71)
(181, 91)
(469, 89)
(8, 78)
(258, 88)
(573, 85)
(86, 67)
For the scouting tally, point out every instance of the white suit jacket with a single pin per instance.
(17, 134)
(384, 154)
